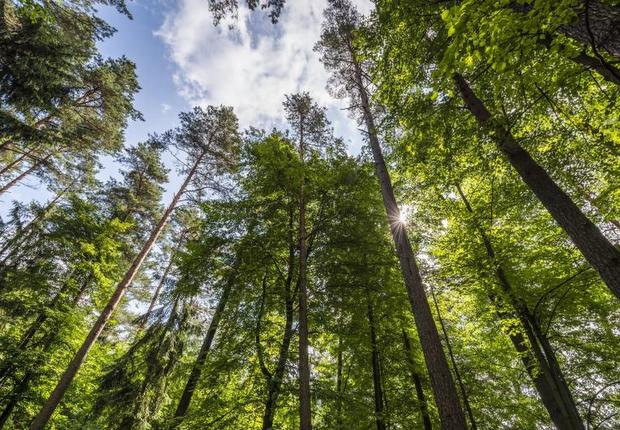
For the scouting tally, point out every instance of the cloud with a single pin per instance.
(252, 66)
(165, 107)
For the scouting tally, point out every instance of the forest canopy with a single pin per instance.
(461, 272)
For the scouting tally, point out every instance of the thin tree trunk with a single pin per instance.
(417, 383)
(22, 175)
(541, 365)
(50, 405)
(160, 285)
(194, 377)
(597, 25)
(596, 249)
(376, 371)
(442, 384)
(20, 233)
(275, 380)
(305, 413)
(339, 386)
(457, 373)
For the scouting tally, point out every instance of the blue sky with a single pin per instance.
(183, 60)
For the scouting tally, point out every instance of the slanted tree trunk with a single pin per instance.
(536, 353)
(47, 342)
(194, 376)
(442, 384)
(274, 381)
(455, 367)
(595, 247)
(65, 380)
(417, 383)
(376, 371)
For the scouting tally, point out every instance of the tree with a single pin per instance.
(210, 138)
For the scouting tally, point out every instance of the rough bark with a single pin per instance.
(376, 371)
(195, 374)
(586, 236)
(417, 383)
(67, 377)
(442, 384)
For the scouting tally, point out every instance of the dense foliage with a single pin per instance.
(462, 272)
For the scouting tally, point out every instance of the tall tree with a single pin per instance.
(339, 55)
(210, 137)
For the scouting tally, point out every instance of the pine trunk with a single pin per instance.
(442, 384)
(22, 175)
(52, 402)
(596, 249)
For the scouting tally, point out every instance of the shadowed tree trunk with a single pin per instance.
(194, 376)
(457, 373)
(537, 356)
(65, 380)
(376, 371)
(417, 383)
(274, 380)
(595, 247)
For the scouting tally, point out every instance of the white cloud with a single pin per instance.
(165, 107)
(252, 66)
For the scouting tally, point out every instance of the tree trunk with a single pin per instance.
(596, 249)
(597, 25)
(275, 380)
(376, 371)
(305, 413)
(457, 373)
(339, 387)
(442, 384)
(194, 376)
(541, 365)
(48, 341)
(417, 382)
(50, 405)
